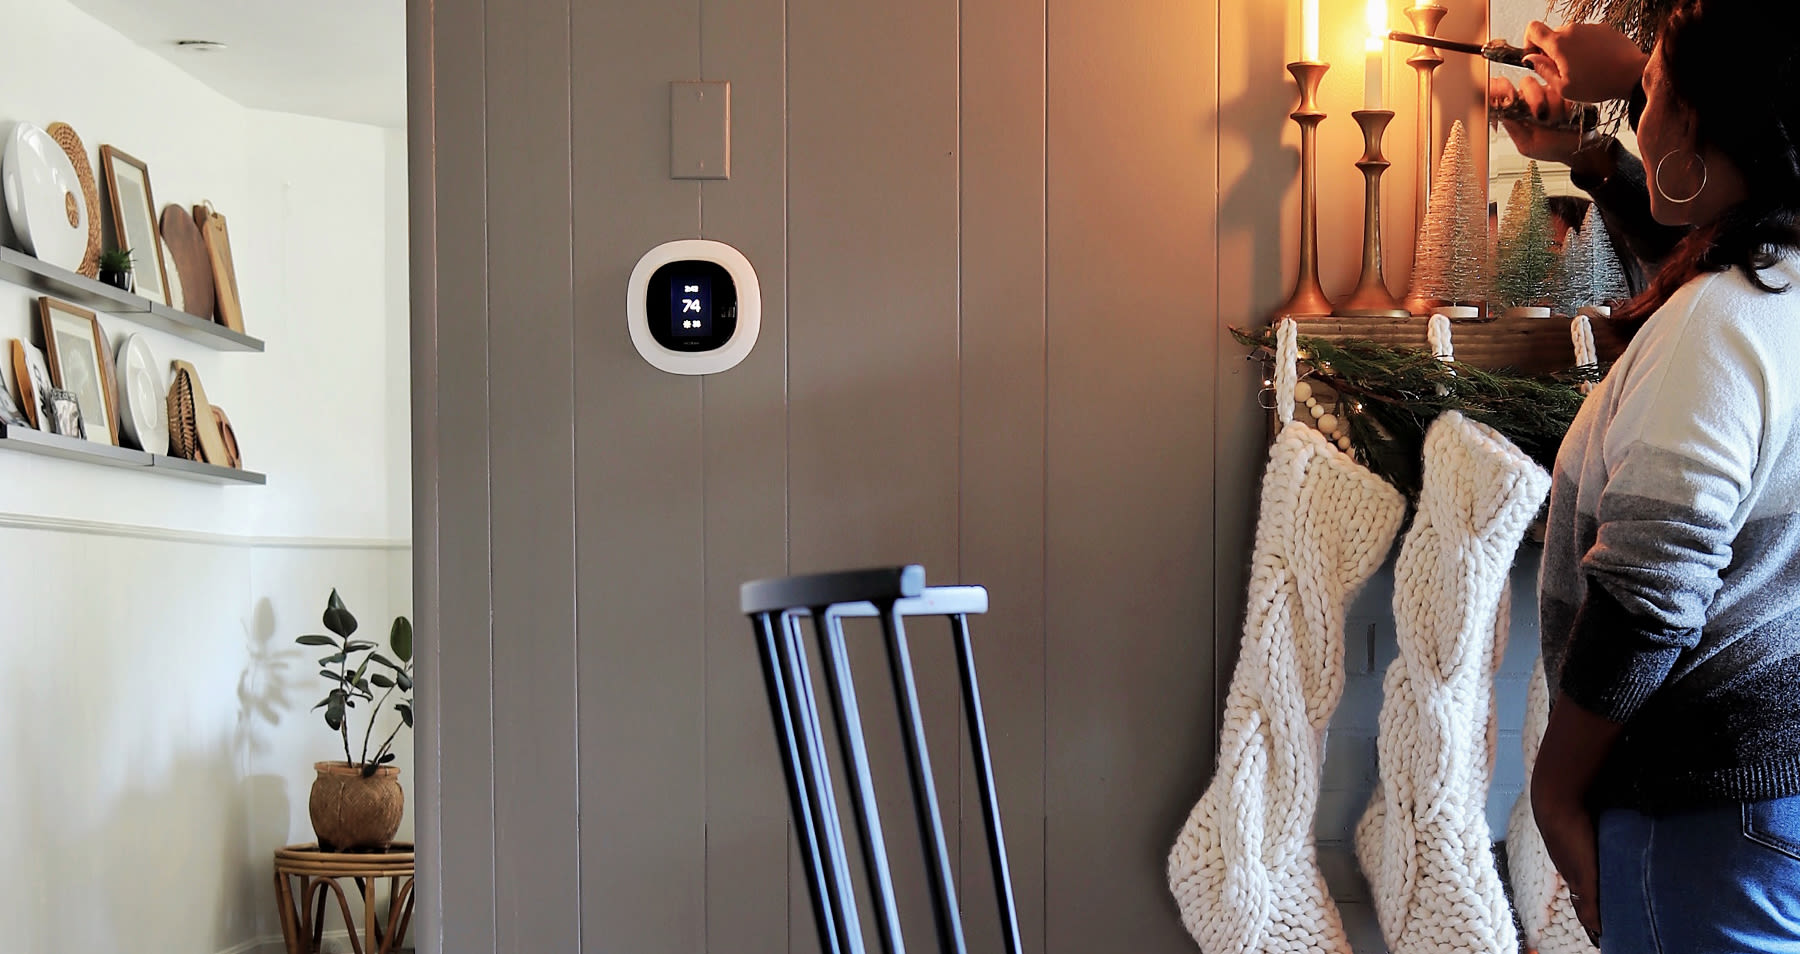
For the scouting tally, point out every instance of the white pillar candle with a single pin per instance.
(1375, 49)
(1309, 30)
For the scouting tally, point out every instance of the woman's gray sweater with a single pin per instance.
(1670, 584)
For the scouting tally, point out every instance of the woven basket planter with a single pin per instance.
(350, 811)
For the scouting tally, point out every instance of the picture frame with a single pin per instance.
(10, 413)
(64, 412)
(133, 207)
(31, 373)
(80, 362)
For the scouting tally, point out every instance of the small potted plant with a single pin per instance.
(115, 268)
(357, 803)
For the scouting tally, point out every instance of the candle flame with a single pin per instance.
(1375, 11)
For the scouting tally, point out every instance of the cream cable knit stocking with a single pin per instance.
(1424, 842)
(1244, 869)
(1542, 898)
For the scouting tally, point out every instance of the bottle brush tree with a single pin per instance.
(1450, 262)
(1527, 267)
(1592, 273)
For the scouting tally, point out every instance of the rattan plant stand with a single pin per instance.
(316, 873)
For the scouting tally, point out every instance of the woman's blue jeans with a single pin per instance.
(1716, 881)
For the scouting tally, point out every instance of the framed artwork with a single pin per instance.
(65, 414)
(10, 414)
(32, 375)
(134, 223)
(79, 364)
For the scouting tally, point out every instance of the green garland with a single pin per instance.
(1390, 396)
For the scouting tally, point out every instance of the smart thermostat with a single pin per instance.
(694, 307)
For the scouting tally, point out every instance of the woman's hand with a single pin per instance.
(1548, 140)
(1574, 847)
(1586, 62)
(1575, 746)
(1544, 142)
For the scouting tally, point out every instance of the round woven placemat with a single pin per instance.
(65, 137)
(184, 440)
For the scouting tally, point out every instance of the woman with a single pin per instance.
(1668, 785)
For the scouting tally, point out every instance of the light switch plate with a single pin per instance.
(700, 130)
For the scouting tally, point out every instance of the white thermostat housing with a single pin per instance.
(694, 307)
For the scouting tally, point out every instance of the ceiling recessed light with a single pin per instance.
(199, 46)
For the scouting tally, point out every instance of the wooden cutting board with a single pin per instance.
(218, 249)
(185, 250)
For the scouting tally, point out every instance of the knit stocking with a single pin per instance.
(1244, 869)
(1542, 898)
(1424, 842)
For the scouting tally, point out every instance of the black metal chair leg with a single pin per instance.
(984, 772)
(822, 792)
(787, 739)
(856, 759)
(918, 759)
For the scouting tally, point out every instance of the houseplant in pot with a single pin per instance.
(357, 803)
(115, 268)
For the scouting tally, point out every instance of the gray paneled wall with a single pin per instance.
(990, 242)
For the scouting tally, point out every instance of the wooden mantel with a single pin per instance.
(1530, 345)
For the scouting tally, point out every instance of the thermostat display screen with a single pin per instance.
(691, 307)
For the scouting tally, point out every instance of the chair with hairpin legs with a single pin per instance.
(777, 609)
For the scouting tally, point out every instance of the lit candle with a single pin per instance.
(1376, 54)
(1309, 30)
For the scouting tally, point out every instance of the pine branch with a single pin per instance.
(1397, 393)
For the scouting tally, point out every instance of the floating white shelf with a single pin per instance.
(22, 269)
(93, 452)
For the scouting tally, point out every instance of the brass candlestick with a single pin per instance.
(1371, 299)
(1309, 297)
(1425, 18)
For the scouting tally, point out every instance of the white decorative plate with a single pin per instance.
(143, 396)
(44, 197)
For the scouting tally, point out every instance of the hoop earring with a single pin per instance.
(1659, 179)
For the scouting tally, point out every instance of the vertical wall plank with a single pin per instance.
(640, 502)
(537, 863)
(745, 417)
(1258, 169)
(872, 345)
(1002, 487)
(454, 749)
(1130, 218)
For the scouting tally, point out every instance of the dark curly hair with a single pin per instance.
(1736, 64)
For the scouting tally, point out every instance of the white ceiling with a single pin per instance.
(341, 59)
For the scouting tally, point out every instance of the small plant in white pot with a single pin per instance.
(357, 803)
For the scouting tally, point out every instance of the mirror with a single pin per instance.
(1506, 165)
